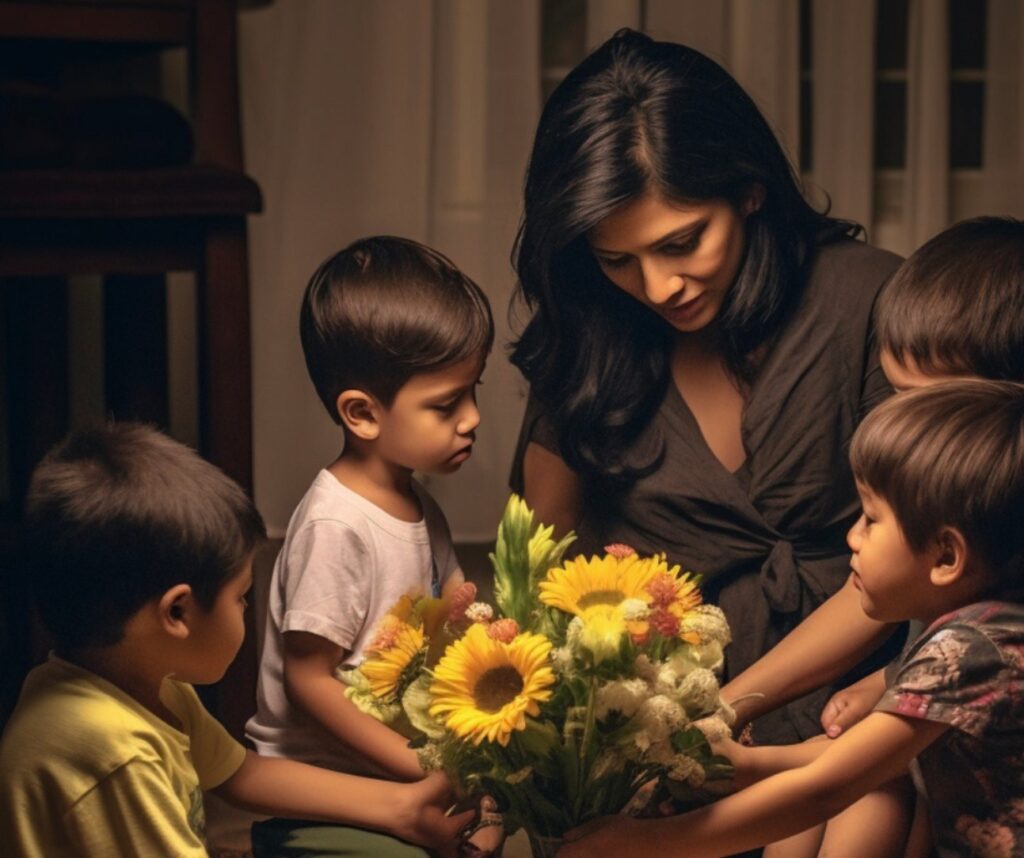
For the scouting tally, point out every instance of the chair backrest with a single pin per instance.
(208, 29)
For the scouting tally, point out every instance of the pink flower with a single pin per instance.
(462, 597)
(620, 550)
(662, 588)
(503, 630)
(664, 623)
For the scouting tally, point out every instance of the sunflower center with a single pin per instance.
(496, 688)
(600, 597)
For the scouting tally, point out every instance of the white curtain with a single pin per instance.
(415, 117)
(407, 117)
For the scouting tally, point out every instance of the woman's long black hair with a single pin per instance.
(638, 116)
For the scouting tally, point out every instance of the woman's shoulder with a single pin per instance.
(849, 261)
(847, 274)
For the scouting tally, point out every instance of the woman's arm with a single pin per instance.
(413, 812)
(551, 489)
(829, 642)
(309, 681)
(872, 753)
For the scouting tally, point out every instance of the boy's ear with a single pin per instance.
(359, 413)
(950, 555)
(175, 610)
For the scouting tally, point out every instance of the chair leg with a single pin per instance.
(225, 362)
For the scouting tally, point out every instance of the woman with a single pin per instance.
(700, 349)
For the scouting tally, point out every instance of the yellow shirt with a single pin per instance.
(87, 770)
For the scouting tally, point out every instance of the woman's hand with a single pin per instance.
(845, 708)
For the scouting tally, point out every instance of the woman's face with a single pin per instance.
(677, 259)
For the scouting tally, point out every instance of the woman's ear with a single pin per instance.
(176, 609)
(359, 413)
(950, 557)
(753, 200)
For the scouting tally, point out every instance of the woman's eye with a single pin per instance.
(617, 262)
(682, 248)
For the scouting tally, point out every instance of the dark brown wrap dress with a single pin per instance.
(770, 538)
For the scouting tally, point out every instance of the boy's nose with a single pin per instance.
(854, 534)
(470, 420)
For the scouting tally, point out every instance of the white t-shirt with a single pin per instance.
(344, 563)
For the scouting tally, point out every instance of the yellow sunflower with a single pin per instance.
(609, 580)
(395, 651)
(484, 688)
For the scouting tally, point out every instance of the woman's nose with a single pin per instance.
(661, 286)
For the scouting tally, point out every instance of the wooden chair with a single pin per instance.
(139, 222)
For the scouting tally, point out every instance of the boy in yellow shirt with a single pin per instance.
(140, 555)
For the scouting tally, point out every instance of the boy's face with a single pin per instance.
(431, 424)
(892, 578)
(217, 635)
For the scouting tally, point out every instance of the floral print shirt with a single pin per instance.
(967, 671)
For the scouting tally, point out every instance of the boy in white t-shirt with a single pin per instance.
(395, 340)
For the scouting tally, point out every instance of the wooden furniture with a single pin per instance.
(134, 224)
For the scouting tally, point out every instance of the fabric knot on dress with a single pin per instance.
(780, 578)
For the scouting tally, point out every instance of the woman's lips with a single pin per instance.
(687, 310)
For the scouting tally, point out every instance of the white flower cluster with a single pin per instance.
(479, 612)
(663, 698)
(709, 623)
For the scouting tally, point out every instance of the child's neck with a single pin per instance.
(120, 666)
(383, 484)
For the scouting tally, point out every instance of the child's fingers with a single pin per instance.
(830, 715)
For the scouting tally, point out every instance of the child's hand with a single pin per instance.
(847, 707)
(420, 818)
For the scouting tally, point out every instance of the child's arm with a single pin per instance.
(823, 647)
(310, 683)
(414, 812)
(872, 753)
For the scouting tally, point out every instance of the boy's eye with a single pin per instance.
(446, 408)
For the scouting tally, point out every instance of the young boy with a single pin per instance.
(140, 555)
(940, 472)
(395, 340)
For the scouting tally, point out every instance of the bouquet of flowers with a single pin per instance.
(592, 683)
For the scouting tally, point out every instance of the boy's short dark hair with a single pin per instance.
(957, 304)
(384, 309)
(951, 455)
(117, 515)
